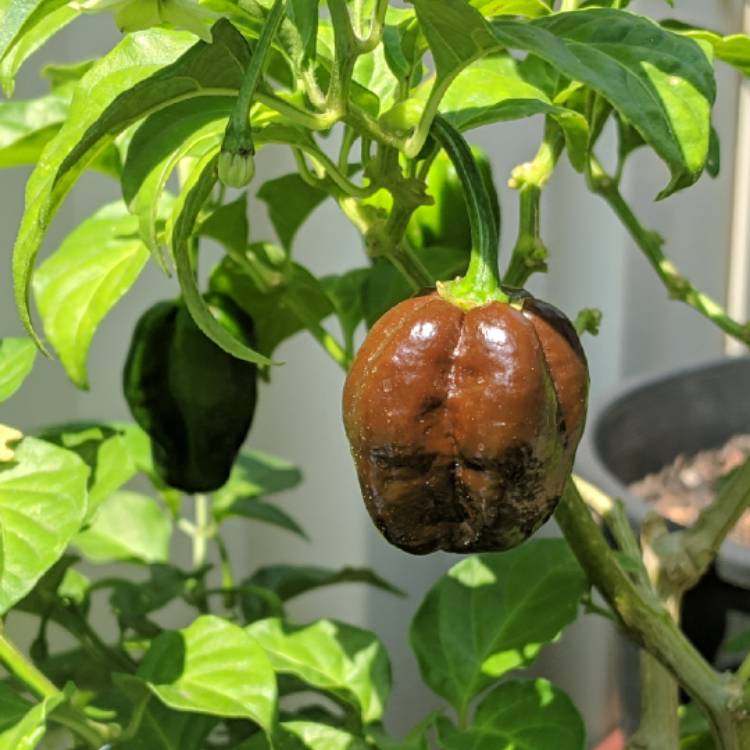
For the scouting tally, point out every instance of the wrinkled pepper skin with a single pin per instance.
(195, 401)
(464, 424)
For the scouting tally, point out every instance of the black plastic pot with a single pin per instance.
(642, 428)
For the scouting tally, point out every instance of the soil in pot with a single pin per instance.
(680, 490)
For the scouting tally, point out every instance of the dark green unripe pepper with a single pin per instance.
(195, 401)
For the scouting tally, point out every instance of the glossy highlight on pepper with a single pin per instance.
(463, 424)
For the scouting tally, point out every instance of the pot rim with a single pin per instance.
(733, 560)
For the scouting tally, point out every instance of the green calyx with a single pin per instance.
(481, 284)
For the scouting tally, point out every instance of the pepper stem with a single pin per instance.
(482, 281)
(236, 161)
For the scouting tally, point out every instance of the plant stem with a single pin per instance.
(651, 244)
(21, 668)
(238, 137)
(659, 726)
(689, 553)
(200, 531)
(372, 40)
(530, 253)
(482, 281)
(346, 47)
(650, 624)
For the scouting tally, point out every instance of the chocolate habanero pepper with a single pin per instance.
(195, 401)
(464, 406)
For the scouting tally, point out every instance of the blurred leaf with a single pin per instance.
(16, 360)
(43, 502)
(344, 660)
(288, 581)
(78, 285)
(493, 613)
(345, 293)
(133, 601)
(228, 225)
(386, 287)
(40, 27)
(304, 15)
(528, 8)
(128, 527)
(212, 667)
(530, 714)
(62, 75)
(290, 202)
(12, 707)
(307, 735)
(277, 294)
(740, 644)
(104, 447)
(28, 732)
(27, 126)
(257, 510)
(255, 474)
(161, 728)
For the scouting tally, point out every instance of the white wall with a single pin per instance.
(593, 264)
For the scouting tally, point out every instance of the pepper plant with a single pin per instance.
(365, 94)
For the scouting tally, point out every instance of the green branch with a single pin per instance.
(530, 253)
(651, 244)
(236, 162)
(650, 624)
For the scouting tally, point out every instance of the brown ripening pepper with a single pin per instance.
(463, 423)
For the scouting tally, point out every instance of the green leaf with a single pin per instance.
(196, 190)
(344, 660)
(386, 287)
(146, 72)
(42, 505)
(228, 225)
(128, 526)
(663, 84)
(528, 8)
(105, 448)
(733, 49)
(27, 126)
(519, 715)
(18, 17)
(255, 474)
(346, 295)
(16, 360)
(457, 34)
(12, 707)
(273, 291)
(307, 735)
(80, 283)
(290, 202)
(739, 644)
(27, 733)
(160, 728)
(289, 581)
(304, 14)
(212, 667)
(257, 510)
(493, 613)
(131, 602)
(165, 137)
(493, 90)
(36, 32)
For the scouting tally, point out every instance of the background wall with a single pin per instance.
(593, 264)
